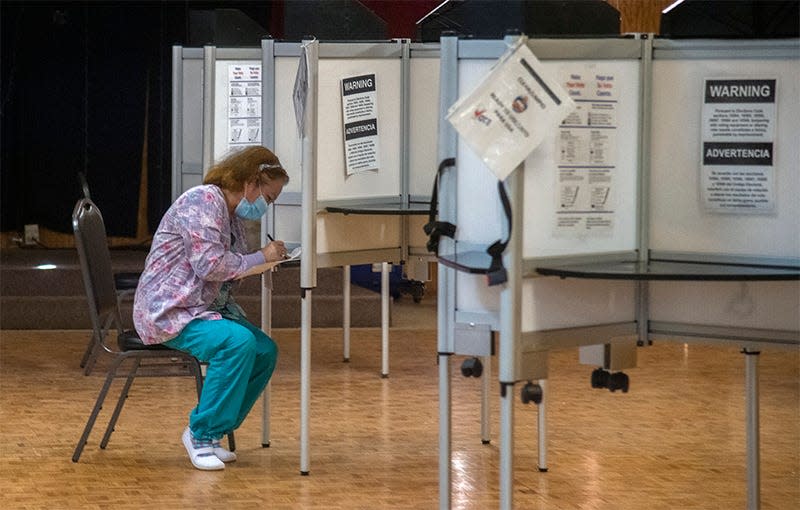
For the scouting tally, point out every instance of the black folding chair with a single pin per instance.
(125, 283)
(159, 360)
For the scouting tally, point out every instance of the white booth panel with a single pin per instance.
(574, 303)
(678, 220)
(341, 232)
(553, 303)
(332, 180)
(763, 305)
(189, 181)
(480, 217)
(288, 145)
(615, 155)
(423, 125)
(191, 114)
(288, 223)
(474, 296)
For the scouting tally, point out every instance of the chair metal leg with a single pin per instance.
(123, 397)
(91, 355)
(96, 411)
(89, 349)
(197, 371)
(95, 346)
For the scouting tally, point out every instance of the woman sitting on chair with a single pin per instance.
(183, 299)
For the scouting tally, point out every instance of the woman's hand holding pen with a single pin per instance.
(274, 251)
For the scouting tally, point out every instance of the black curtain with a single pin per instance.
(74, 82)
(78, 82)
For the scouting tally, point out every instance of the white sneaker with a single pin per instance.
(201, 453)
(221, 452)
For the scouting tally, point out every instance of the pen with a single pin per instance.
(273, 240)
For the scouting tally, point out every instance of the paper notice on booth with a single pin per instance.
(300, 91)
(360, 119)
(738, 128)
(509, 113)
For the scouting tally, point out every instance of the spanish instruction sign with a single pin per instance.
(360, 116)
(244, 105)
(587, 153)
(509, 113)
(738, 171)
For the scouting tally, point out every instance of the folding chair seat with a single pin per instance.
(145, 360)
(125, 284)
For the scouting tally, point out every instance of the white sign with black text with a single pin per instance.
(511, 111)
(360, 119)
(587, 152)
(244, 105)
(737, 166)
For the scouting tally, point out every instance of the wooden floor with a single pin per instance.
(675, 441)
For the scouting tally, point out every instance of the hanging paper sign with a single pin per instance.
(360, 117)
(509, 113)
(300, 91)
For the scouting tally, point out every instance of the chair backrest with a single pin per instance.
(95, 259)
(84, 185)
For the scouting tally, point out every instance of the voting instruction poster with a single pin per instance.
(737, 170)
(360, 118)
(586, 152)
(509, 113)
(244, 105)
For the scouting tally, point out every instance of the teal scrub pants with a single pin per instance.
(241, 359)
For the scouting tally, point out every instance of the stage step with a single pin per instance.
(32, 298)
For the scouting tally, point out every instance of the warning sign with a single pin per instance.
(738, 171)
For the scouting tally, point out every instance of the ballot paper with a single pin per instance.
(509, 113)
(260, 268)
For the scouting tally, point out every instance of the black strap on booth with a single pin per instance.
(496, 273)
(435, 229)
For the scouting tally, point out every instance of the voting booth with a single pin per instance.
(662, 206)
(363, 202)
(354, 124)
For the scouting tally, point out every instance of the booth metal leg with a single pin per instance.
(506, 446)
(266, 326)
(346, 314)
(305, 378)
(385, 319)
(486, 388)
(444, 431)
(265, 415)
(752, 419)
(542, 409)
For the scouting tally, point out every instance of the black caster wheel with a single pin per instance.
(600, 378)
(531, 393)
(618, 381)
(472, 367)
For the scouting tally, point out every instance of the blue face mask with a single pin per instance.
(251, 210)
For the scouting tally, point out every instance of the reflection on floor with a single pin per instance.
(676, 440)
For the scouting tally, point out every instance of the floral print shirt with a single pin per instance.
(197, 248)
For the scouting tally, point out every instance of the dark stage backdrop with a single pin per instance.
(85, 86)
